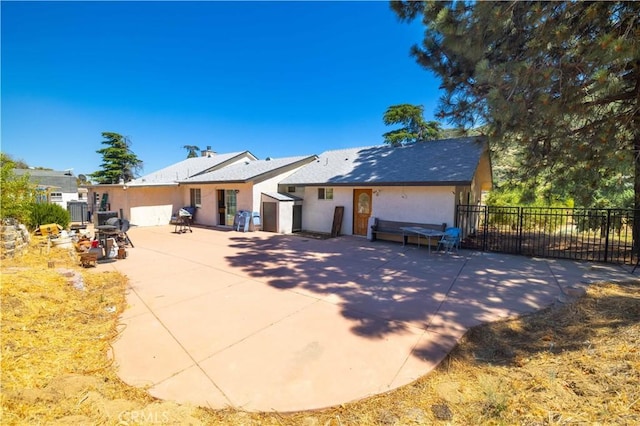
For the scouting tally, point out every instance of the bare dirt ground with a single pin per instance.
(574, 363)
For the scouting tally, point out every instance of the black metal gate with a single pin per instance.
(602, 235)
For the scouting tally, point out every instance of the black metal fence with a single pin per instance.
(602, 235)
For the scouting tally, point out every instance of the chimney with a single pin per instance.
(208, 152)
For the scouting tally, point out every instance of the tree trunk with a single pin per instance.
(636, 161)
(636, 195)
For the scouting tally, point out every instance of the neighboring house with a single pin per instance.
(422, 183)
(56, 187)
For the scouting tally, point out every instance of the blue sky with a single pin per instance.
(275, 78)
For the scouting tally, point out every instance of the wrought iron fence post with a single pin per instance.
(606, 236)
(520, 229)
(485, 231)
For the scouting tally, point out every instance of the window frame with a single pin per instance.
(325, 193)
(195, 197)
(55, 197)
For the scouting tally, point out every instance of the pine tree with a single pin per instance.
(119, 163)
(558, 83)
(415, 128)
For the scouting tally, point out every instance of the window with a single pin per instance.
(55, 197)
(325, 193)
(195, 198)
(291, 189)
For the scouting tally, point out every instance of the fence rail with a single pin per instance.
(602, 235)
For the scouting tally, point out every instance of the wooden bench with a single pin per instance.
(391, 227)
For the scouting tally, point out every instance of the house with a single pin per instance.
(241, 186)
(56, 187)
(420, 183)
(217, 185)
(152, 199)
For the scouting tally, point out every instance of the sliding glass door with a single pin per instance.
(227, 206)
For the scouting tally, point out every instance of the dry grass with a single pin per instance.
(572, 364)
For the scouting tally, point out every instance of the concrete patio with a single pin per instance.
(265, 322)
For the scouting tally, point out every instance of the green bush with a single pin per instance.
(44, 213)
(16, 192)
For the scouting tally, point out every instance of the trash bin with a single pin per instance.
(255, 219)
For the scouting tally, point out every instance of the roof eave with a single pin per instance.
(430, 183)
(208, 182)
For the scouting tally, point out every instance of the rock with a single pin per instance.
(388, 418)
(442, 412)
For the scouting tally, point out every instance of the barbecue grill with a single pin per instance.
(183, 220)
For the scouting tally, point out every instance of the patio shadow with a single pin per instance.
(385, 288)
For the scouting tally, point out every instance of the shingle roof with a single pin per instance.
(185, 169)
(441, 162)
(248, 170)
(59, 181)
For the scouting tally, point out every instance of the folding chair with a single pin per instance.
(450, 240)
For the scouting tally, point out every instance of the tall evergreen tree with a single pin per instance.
(558, 83)
(415, 128)
(119, 163)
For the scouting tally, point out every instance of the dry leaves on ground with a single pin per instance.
(577, 363)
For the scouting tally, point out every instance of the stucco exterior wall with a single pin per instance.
(285, 217)
(151, 206)
(249, 197)
(207, 214)
(268, 185)
(151, 215)
(142, 206)
(407, 204)
(420, 204)
(317, 215)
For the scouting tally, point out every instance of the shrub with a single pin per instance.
(43, 213)
(16, 192)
